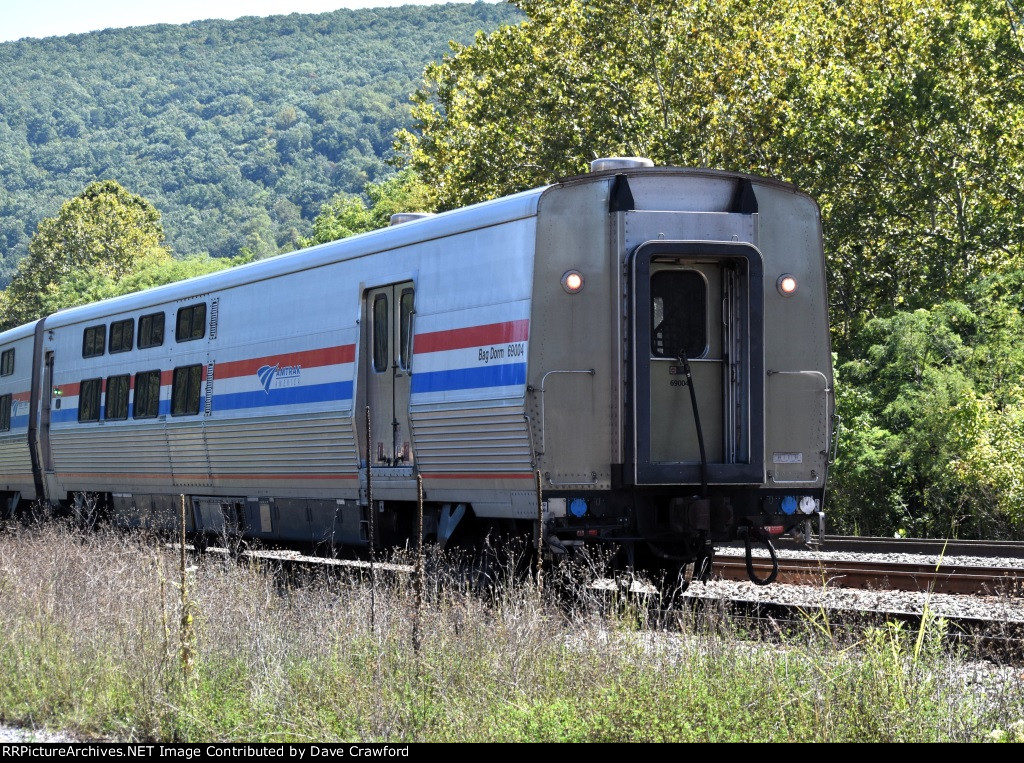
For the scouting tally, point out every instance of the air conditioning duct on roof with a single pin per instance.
(620, 163)
(407, 217)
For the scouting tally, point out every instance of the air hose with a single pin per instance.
(696, 421)
(750, 560)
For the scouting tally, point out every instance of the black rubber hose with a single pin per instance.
(750, 563)
(696, 421)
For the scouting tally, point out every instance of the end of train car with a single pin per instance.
(641, 352)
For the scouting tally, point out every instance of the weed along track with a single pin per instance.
(98, 636)
(985, 620)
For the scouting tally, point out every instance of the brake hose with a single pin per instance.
(750, 561)
(696, 421)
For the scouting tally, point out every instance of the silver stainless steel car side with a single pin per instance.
(649, 344)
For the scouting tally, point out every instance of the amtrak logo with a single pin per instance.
(278, 376)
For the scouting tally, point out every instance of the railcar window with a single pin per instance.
(185, 390)
(151, 330)
(380, 333)
(5, 413)
(89, 400)
(7, 362)
(191, 323)
(93, 341)
(122, 333)
(405, 329)
(679, 314)
(117, 398)
(147, 395)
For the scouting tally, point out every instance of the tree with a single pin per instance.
(904, 404)
(348, 214)
(153, 268)
(216, 135)
(933, 419)
(104, 231)
(903, 118)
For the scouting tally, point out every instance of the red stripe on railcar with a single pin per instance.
(327, 356)
(472, 336)
(479, 476)
(205, 477)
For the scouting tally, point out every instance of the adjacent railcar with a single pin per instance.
(651, 341)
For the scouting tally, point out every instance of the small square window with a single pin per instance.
(117, 398)
(89, 400)
(94, 341)
(151, 330)
(185, 390)
(122, 334)
(147, 395)
(679, 314)
(191, 323)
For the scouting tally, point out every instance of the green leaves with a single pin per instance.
(934, 422)
(347, 214)
(216, 122)
(903, 118)
(104, 231)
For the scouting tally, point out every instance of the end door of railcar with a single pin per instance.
(697, 363)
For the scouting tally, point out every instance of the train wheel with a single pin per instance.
(703, 565)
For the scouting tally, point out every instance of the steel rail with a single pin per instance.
(879, 545)
(959, 579)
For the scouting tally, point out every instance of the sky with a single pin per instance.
(47, 18)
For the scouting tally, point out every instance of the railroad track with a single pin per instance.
(934, 546)
(900, 576)
(998, 640)
(990, 636)
(877, 575)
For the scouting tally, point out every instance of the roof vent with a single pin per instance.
(620, 163)
(407, 217)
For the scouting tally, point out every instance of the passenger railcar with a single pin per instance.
(651, 341)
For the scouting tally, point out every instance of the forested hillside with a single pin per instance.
(236, 131)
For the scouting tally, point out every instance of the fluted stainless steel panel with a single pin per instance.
(198, 453)
(16, 467)
(471, 440)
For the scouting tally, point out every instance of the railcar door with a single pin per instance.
(388, 374)
(682, 310)
(49, 399)
(695, 308)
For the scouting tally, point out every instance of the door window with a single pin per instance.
(405, 330)
(679, 314)
(380, 333)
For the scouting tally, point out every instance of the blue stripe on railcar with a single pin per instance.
(507, 375)
(313, 393)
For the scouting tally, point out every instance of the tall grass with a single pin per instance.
(90, 640)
